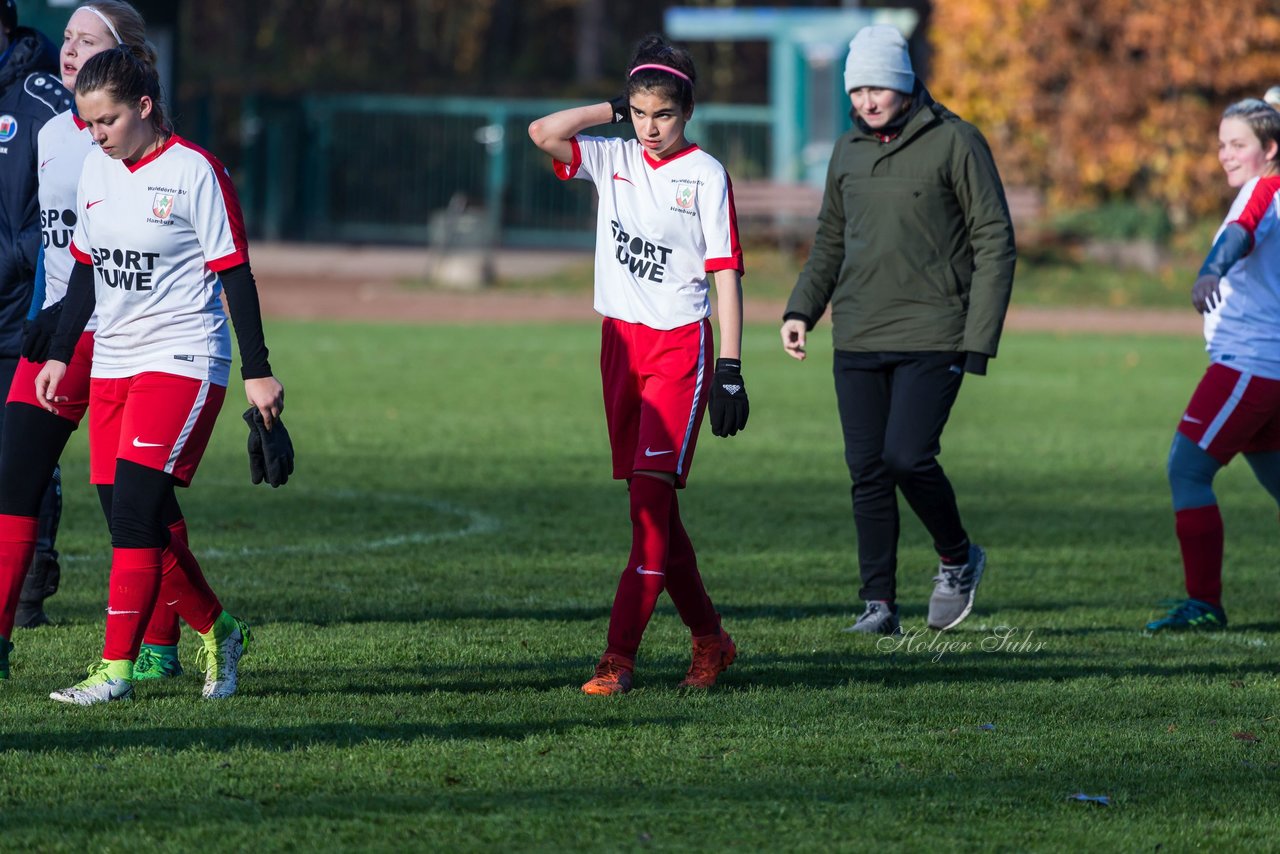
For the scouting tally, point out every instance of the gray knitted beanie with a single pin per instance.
(878, 58)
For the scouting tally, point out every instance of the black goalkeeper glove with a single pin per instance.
(621, 109)
(729, 407)
(38, 332)
(270, 451)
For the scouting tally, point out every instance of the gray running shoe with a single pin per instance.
(880, 618)
(953, 590)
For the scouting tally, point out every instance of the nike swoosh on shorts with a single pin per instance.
(138, 443)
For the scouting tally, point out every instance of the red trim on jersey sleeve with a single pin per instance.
(80, 255)
(655, 163)
(226, 262)
(565, 171)
(734, 261)
(1260, 200)
(234, 215)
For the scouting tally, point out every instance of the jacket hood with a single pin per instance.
(29, 52)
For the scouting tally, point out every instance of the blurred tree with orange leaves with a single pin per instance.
(1103, 100)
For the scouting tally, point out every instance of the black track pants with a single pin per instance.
(893, 407)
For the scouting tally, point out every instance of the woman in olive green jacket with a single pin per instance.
(914, 254)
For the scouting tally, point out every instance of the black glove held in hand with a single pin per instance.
(621, 109)
(38, 334)
(729, 408)
(270, 451)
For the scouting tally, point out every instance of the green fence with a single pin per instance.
(376, 169)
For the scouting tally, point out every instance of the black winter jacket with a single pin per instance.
(30, 95)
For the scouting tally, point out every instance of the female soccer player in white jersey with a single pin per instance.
(36, 438)
(1236, 407)
(157, 223)
(666, 224)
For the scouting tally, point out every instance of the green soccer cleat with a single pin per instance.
(1190, 614)
(5, 649)
(219, 658)
(106, 683)
(156, 662)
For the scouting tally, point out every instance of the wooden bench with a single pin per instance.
(786, 214)
(1026, 205)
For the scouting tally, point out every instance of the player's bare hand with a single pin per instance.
(47, 382)
(1206, 293)
(793, 333)
(266, 394)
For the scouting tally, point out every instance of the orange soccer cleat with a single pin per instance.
(613, 676)
(712, 655)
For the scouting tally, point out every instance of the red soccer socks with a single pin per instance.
(684, 582)
(185, 589)
(17, 545)
(135, 583)
(645, 576)
(1200, 538)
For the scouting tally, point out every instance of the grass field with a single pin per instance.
(433, 585)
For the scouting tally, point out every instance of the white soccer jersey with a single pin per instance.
(662, 227)
(64, 143)
(157, 233)
(1244, 330)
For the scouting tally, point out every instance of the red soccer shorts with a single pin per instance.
(158, 420)
(1233, 413)
(74, 385)
(656, 383)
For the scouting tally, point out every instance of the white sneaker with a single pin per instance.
(221, 660)
(97, 688)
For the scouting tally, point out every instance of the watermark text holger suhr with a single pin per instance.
(1002, 639)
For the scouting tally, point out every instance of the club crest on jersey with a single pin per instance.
(686, 196)
(162, 205)
(8, 128)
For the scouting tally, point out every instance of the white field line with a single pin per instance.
(472, 523)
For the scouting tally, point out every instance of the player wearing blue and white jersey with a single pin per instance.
(30, 96)
(1235, 409)
(665, 227)
(1243, 330)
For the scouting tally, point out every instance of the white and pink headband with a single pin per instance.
(666, 68)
